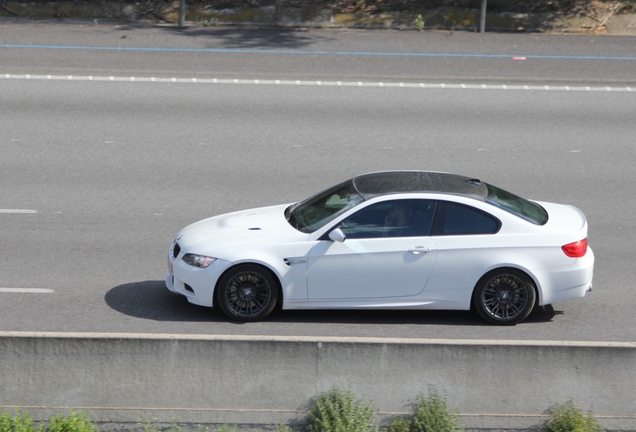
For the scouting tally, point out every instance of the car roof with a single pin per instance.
(393, 182)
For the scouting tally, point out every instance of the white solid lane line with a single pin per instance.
(27, 290)
(20, 211)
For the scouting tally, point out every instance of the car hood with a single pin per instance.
(265, 225)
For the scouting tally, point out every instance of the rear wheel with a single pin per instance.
(505, 296)
(247, 293)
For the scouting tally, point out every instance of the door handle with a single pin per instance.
(419, 249)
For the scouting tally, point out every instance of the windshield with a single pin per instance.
(523, 208)
(313, 213)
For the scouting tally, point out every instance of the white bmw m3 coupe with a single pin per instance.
(388, 240)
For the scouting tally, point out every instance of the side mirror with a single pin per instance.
(337, 235)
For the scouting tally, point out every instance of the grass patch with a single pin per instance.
(74, 422)
(400, 424)
(332, 411)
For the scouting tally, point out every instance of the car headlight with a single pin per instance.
(200, 261)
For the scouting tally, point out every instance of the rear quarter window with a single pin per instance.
(528, 210)
(458, 219)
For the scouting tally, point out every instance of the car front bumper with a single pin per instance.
(196, 284)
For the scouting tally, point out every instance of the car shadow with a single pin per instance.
(241, 37)
(152, 300)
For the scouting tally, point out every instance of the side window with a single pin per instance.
(397, 218)
(458, 219)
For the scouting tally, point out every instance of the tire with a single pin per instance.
(247, 293)
(504, 297)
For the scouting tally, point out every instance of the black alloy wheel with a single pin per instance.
(247, 293)
(505, 297)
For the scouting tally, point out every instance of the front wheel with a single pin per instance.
(504, 297)
(247, 293)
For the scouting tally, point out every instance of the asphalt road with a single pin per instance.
(96, 177)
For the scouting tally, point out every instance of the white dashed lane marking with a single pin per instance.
(18, 211)
(27, 290)
(320, 83)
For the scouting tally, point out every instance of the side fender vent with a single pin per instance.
(175, 250)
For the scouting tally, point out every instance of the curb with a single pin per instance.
(316, 339)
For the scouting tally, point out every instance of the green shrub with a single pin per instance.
(75, 422)
(400, 424)
(568, 417)
(338, 411)
(432, 414)
(17, 423)
(419, 23)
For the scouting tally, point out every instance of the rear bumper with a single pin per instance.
(566, 282)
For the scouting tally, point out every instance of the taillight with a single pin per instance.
(576, 249)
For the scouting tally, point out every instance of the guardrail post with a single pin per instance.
(182, 13)
(482, 17)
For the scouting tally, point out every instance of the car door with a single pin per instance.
(465, 249)
(387, 252)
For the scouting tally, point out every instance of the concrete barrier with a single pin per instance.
(269, 380)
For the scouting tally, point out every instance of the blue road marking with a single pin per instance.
(322, 52)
